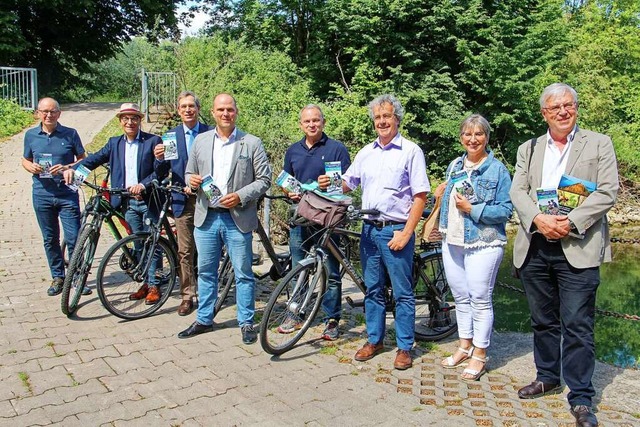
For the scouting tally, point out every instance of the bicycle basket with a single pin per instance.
(322, 210)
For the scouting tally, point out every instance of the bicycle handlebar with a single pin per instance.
(118, 191)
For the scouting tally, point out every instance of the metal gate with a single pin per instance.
(20, 85)
(159, 92)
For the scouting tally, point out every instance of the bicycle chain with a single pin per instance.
(625, 240)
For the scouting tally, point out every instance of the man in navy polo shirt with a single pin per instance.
(305, 160)
(50, 149)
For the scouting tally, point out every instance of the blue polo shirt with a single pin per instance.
(64, 146)
(307, 164)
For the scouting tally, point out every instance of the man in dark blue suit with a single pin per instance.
(130, 157)
(183, 205)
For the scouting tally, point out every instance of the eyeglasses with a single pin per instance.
(569, 107)
(469, 135)
(134, 119)
(48, 112)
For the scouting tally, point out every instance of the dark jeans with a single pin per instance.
(562, 303)
(50, 212)
(136, 214)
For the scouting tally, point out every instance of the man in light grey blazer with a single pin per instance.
(558, 256)
(229, 171)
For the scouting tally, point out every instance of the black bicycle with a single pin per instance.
(130, 263)
(298, 297)
(97, 211)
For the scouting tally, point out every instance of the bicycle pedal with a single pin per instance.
(354, 304)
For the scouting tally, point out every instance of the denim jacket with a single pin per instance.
(485, 224)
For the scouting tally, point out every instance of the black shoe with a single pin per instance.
(584, 416)
(56, 287)
(249, 334)
(195, 329)
(538, 389)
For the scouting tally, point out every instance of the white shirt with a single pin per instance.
(223, 155)
(555, 162)
(131, 161)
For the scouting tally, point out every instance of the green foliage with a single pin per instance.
(13, 118)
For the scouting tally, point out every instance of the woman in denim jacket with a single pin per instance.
(474, 212)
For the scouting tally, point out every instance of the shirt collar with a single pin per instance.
(395, 142)
(42, 131)
(196, 128)
(232, 137)
(136, 139)
(321, 141)
(570, 137)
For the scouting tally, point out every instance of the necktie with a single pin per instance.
(191, 136)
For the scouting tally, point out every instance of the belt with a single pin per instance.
(219, 210)
(382, 223)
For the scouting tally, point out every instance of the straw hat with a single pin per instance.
(129, 108)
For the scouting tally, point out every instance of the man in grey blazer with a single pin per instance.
(233, 167)
(558, 256)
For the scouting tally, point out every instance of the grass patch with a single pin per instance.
(417, 409)
(74, 383)
(427, 345)
(360, 319)
(13, 118)
(329, 350)
(12, 351)
(24, 377)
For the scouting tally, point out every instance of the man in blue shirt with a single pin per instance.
(305, 160)
(50, 149)
(183, 206)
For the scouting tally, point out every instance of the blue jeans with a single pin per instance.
(378, 260)
(48, 210)
(562, 302)
(135, 215)
(219, 230)
(301, 239)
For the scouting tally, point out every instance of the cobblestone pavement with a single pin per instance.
(96, 369)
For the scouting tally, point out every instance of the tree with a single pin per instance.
(61, 37)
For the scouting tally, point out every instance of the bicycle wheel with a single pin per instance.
(121, 274)
(292, 308)
(435, 308)
(226, 280)
(78, 271)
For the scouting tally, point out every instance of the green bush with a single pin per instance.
(13, 118)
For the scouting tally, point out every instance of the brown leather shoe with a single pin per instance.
(403, 360)
(538, 389)
(140, 293)
(584, 416)
(153, 296)
(186, 307)
(368, 351)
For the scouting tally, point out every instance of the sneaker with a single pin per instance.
(56, 287)
(153, 296)
(331, 332)
(249, 334)
(289, 325)
(140, 293)
(86, 291)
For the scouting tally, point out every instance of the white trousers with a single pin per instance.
(471, 274)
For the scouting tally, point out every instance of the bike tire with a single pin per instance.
(120, 275)
(287, 301)
(78, 271)
(226, 280)
(435, 307)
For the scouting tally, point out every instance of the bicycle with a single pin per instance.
(128, 263)
(299, 294)
(281, 262)
(97, 211)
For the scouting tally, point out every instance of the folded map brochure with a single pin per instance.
(334, 171)
(170, 146)
(462, 184)
(210, 190)
(80, 174)
(572, 192)
(46, 161)
(292, 185)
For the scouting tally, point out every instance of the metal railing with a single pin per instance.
(159, 90)
(20, 85)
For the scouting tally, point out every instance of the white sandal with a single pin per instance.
(449, 362)
(475, 375)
